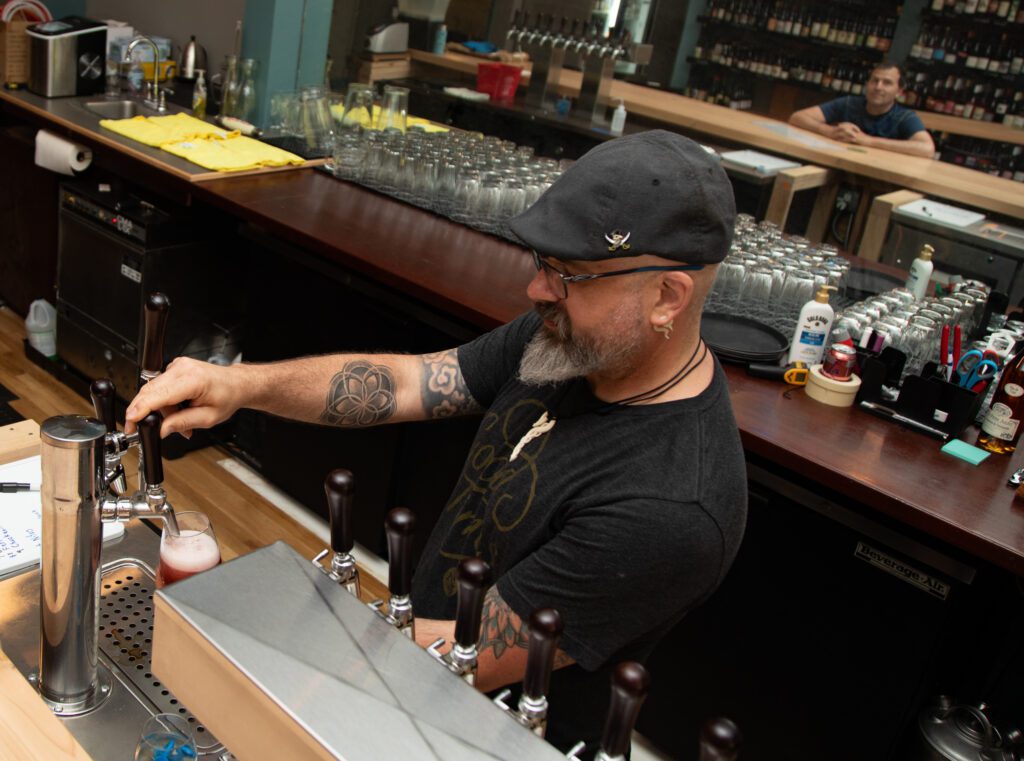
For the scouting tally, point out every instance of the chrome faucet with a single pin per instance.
(155, 98)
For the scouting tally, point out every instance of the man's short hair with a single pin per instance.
(887, 64)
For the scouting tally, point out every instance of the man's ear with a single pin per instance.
(675, 293)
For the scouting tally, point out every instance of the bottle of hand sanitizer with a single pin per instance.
(618, 118)
(921, 272)
(812, 328)
(199, 96)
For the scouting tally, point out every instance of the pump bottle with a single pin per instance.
(812, 328)
(921, 272)
(618, 118)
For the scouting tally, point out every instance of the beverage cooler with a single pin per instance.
(832, 630)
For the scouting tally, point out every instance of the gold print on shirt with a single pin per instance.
(485, 493)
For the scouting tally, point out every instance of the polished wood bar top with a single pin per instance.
(942, 180)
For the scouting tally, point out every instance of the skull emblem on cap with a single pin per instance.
(617, 240)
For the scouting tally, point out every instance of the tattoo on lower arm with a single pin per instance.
(362, 394)
(502, 628)
(444, 390)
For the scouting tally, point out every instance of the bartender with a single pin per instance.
(606, 478)
(873, 119)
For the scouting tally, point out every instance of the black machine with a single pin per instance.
(115, 246)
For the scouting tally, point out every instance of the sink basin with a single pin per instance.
(117, 109)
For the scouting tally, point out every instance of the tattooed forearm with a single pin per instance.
(444, 391)
(502, 628)
(361, 394)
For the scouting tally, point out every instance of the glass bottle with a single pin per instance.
(1001, 429)
(245, 105)
(230, 85)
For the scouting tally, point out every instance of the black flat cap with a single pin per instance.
(650, 193)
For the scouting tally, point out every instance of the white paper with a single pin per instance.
(21, 518)
(795, 134)
(60, 155)
(761, 163)
(934, 211)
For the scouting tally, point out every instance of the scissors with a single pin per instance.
(977, 368)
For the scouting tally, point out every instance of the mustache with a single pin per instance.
(554, 313)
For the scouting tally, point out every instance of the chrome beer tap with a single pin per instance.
(548, 59)
(339, 487)
(474, 579)
(103, 397)
(545, 630)
(600, 57)
(399, 526)
(514, 31)
(630, 683)
(720, 740)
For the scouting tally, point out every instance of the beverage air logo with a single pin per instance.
(901, 570)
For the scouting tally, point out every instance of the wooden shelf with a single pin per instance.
(957, 125)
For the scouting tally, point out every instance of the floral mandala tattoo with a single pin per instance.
(362, 394)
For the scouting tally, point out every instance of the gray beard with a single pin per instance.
(557, 356)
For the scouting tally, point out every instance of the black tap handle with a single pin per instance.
(564, 26)
(549, 22)
(474, 579)
(545, 630)
(517, 17)
(630, 683)
(720, 740)
(155, 320)
(103, 396)
(579, 26)
(399, 527)
(149, 439)
(338, 486)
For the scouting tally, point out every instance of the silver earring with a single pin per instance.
(665, 330)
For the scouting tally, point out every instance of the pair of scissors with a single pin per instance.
(975, 369)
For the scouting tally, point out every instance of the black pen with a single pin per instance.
(9, 487)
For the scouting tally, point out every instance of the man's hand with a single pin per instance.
(214, 394)
(848, 132)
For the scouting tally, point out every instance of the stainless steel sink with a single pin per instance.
(118, 109)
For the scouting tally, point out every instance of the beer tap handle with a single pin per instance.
(399, 527)
(517, 18)
(474, 579)
(149, 440)
(545, 630)
(720, 740)
(103, 396)
(549, 22)
(630, 683)
(155, 328)
(338, 486)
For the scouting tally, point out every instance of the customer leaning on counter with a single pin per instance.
(606, 478)
(873, 119)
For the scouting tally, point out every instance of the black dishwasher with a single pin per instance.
(115, 247)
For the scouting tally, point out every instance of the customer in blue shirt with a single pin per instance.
(873, 119)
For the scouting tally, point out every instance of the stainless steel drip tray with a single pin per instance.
(125, 636)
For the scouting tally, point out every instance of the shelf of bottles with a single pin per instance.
(829, 48)
(968, 61)
(1004, 160)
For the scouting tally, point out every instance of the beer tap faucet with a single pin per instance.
(399, 526)
(474, 579)
(338, 486)
(630, 683)
(532, 712)
(103, 395)
(154, 320)
(514, 31)
(720, 740)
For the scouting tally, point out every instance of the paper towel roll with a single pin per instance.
(60, 155)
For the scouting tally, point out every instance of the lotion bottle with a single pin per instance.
(618, 118)
(921, 272)
(812, 328)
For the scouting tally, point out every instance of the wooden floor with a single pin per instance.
(242, 519)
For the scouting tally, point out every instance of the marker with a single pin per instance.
(855, 148)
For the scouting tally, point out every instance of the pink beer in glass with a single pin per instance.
(192, 550)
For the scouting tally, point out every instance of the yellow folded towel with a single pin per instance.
(366, 121)
(232, 153)
(158, 130)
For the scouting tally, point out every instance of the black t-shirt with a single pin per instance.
(620, 517)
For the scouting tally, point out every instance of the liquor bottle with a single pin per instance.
(1001, 429)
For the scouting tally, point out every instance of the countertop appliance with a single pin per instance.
(67, 57)
(389, 38)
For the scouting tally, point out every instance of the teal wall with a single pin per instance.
(61, 8)
(291, 47)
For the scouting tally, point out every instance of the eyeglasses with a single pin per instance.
(559, 281)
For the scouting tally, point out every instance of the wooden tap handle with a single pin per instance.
(545, 630)
(474, 579)
(720, 740)
(103, 396)
(155, 328)
(339, 486)
(149, 440)
(399, 526)
(630, 683)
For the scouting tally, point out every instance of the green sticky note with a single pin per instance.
(965, 451)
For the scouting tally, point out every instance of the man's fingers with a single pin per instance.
(183, 421)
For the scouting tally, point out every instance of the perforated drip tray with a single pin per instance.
(126, 638)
